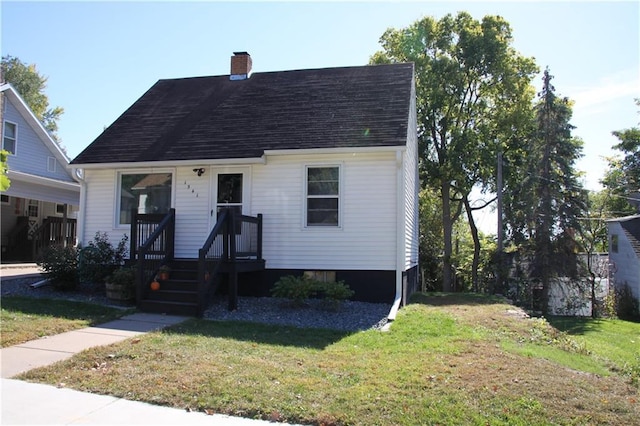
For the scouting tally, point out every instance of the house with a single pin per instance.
(39, 208)
(624, 253)
(321, 163)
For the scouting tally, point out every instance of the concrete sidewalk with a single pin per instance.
(38, 353)
(19, 270)
(29, 403)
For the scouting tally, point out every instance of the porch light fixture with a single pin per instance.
(199, 171)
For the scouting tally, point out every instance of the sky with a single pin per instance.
(99, 57)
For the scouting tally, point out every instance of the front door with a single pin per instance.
(231, 191)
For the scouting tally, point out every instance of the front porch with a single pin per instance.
(234, 246)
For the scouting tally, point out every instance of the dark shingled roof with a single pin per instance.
(215, 118)
(631, 228)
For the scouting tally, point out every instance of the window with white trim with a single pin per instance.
(4, 199)
(9, 136)
(145, 192)
(322, 196)
(51, 164)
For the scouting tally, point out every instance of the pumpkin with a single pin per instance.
(155, 285)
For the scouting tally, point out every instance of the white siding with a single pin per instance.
(366, 237)
(411, 189)
(625, 265)
(31, 155)
(192, 211)
(99, 208)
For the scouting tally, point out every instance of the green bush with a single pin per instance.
(60, 265)
(99, 258)
(296, 289)
(299, 289)
(124, 279)
(626, 305)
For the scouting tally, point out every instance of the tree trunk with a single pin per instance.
(476, 244)
(447, 229)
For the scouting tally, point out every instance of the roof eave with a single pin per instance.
(172, 163)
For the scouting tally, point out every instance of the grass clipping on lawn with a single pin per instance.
(446, 360)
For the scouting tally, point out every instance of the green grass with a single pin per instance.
(23, 318)
(616, 343)
(443, 362)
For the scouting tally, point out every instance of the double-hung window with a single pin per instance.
(144, 192)
(323, 196)
(9, 137)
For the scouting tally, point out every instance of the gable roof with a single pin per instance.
(213, 118)
(631, 228)
(12, 94)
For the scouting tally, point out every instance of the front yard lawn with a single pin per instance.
(447, 360)
(25, 318)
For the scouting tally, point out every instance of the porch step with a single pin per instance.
(176, 296)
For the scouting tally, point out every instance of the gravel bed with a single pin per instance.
(350, 316)
(85, 292)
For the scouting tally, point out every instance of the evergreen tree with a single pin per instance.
(552, 199)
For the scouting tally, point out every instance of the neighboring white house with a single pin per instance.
(624, 253)
(327, 156)
(40, 206)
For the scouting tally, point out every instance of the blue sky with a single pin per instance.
(100, 57)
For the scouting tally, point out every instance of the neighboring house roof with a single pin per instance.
(33, 122)
(631, 228)
(212, 118)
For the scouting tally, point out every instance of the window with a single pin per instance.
(60, 209)
(145, 192)
(323, 196)
(51, 164)
(9, 137)
(32, 208)
(614, 243)
(4, 199)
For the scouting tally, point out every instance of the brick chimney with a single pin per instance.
(240, 66)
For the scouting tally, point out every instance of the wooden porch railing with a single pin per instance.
(54, 231)
(152, 245)
(234, 237)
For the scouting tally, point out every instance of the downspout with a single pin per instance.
(83, 205)
(399, 235)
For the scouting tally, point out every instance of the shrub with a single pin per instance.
(61, 266)
(299, 289)
(124, 280)
(99, 258)
(296, 289)
(626, 304)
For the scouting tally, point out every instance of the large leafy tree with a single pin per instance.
(471, 87)
(31, 85)
(622, 179)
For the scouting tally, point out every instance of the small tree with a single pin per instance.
(5, 182)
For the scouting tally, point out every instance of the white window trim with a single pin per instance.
(51, 161)
(56, 209)
(116, 192)
(6, 200)
(305, 185)
(15, 141)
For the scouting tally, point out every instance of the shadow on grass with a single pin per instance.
(444, 299)
(65, 309)
(277, 335)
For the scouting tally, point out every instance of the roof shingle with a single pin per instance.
(215, 118)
